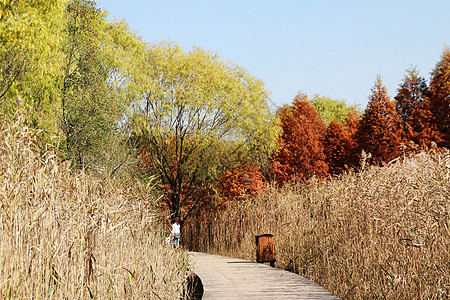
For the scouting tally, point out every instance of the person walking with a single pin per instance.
(176, 233)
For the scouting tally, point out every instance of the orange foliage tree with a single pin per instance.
(440, 98)
(412, 91)
(421, 126)
(300, 154)
(412, 103)
(340, 144)
(379, 131)
(240, 182)
(414, 108)
(429, 120)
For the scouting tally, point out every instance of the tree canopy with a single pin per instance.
(200, 125)
(379, 131)
(97, 75)
(301, 153)
(440, 97)
(70, 71)
(31, 33)
(340, 146)
(412, 91)
(198, 114)
(331, 109)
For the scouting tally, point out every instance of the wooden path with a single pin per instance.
(232, 278)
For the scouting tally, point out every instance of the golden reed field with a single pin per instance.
(68, 235)
(380, 233)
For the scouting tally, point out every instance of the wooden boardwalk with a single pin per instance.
(232, 278)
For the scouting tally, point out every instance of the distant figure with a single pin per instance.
(176, 233)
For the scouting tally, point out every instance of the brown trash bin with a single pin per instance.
(265, 249)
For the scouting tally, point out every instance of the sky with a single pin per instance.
(333, 48)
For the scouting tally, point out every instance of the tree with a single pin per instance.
(240, 182)
(421, 127)
(379, 131)
(301, 153)
(412, 91)
(199, 113)
(330, 109)
(95, 82)
(69, 69)
(31, 33)
(340, 145)
(440, 98)
(89, 111)
(412, 103)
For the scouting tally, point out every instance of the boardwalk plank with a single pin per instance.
(232, 278)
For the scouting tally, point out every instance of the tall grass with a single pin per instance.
(69, 235)
(382, 233)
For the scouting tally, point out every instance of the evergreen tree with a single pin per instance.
(340, 144)
(412, 91)
(421, 127)
(240, 182)
(440, 98)
(301, 151)
(380, 131)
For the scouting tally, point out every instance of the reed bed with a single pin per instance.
(381, 233)
(69, 235)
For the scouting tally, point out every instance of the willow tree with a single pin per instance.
(100, 58)
(30, 59)
(199, 113)
(331, 109)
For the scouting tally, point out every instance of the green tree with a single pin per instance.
(31, 33)
(331, 109)
(100, 59)
(198, 114)
(379, 130)
(69, 69)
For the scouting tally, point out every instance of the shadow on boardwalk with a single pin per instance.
(232, 278)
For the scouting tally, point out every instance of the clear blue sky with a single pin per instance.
(333, 48)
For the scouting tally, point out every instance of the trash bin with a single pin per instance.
(265, 249)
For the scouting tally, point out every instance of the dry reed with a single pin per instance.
(69, 235)
(381, 233)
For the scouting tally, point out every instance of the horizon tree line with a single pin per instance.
(194, 127)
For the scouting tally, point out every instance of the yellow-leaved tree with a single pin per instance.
(198, 114)
(30, 58)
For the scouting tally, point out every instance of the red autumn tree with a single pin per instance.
(340, 144)
(412, 103)
(300, 154)
(421, 126)
(240, 182)
(379, 131)
(412, 91)
(440, 98)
